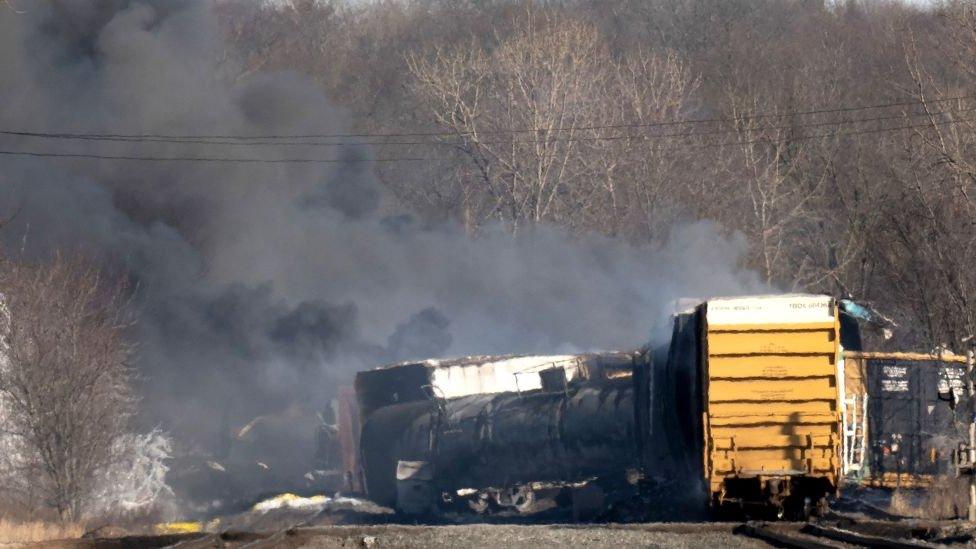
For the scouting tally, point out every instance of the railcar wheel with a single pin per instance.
(814, 509)
(823, 507)
(520, 498)
(524, 501)
(479, 504)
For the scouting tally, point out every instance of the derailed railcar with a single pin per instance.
(499, 448)
(739, 411)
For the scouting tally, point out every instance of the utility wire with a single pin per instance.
(820, 135)
(454, 143)
(663, 123)
(419, 159)
(207, 158)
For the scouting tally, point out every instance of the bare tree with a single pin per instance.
(641, 175)
(775, 197)
(540, 120)
(65, 381)
(932, 235)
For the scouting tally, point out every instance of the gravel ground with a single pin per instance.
(536, 536)
(691, 535)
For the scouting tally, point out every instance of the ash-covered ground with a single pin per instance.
(289, 520)
(320, 521)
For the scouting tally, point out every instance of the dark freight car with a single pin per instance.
(916, 415)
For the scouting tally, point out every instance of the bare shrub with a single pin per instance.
(65, 381)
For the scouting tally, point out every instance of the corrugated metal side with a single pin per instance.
(920, 417)
(771, 400)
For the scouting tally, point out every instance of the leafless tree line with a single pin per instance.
(555, 77)
(871, 203)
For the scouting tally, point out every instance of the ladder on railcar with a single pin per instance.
(855, 433)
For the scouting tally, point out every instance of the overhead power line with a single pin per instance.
(832, 134)
(242, 160)
(47, 154)
(453, 143)
(378, 135)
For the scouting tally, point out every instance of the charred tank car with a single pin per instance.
(573, 429)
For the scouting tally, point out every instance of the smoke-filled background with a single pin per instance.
(260, 288)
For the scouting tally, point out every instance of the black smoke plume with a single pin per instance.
(262, 287)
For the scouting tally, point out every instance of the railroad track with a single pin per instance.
(833, 532)
(847, 533)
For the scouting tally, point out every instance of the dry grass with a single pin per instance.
(19, 532)
(947, 498)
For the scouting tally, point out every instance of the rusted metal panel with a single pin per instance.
(899, 480)
(349, 430)
(855, 375)
(945, 357)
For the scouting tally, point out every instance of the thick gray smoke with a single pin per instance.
(262, 287)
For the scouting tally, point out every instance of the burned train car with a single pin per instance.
(739, 411)
(486, 430)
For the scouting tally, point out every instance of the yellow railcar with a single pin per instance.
(771, 402)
